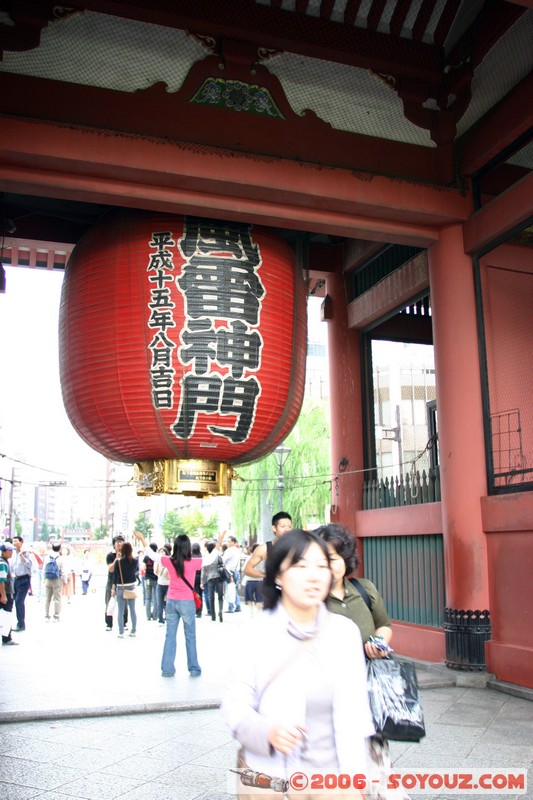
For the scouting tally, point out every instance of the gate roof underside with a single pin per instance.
(400, 88)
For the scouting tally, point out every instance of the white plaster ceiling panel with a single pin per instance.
(349, 98)
(99, 50)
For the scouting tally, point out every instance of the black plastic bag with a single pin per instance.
(394, 701)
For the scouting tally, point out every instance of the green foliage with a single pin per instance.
(306, 478)
(100, 532)
(144, 526)
(172, 525)
(193, 523)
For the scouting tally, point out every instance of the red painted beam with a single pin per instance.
(391, 292)
(135, 172)
(157, 113)
(500, 216)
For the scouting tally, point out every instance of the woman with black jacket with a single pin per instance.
(125, 578)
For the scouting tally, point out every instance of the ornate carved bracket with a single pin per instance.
(451, 98)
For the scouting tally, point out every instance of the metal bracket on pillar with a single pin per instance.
(466, 633)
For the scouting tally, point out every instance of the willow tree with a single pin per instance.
(306, 479)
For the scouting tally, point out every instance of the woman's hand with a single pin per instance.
(138, 535)
(372, 651)
(285, 739)
(378, 644)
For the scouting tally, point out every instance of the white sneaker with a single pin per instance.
(133, 633)
(120, 636)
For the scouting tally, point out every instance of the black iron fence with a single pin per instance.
(405, 490)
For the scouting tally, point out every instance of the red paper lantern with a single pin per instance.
(182, 338)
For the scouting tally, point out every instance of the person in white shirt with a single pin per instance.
(232, 562)
(297, 699)
(210, 577)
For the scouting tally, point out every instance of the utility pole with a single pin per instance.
(11, 514)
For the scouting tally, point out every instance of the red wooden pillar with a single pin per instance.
(462, 449)
(345, 407)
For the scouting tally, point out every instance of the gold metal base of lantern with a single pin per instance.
(194, 478)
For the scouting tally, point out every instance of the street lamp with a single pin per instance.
(281, 455)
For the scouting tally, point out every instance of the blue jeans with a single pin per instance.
(21, 588)
(207, 600)
(151, 597)
(176, 610)
(231, 607)
(121, 603)
(161, 597)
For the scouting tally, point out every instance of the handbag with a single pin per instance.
(127, 594)
(223, 573)
(6, 622)
(111, 606)
(394, 700)
(393, 693)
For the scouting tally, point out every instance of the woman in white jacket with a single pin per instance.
(297, 701)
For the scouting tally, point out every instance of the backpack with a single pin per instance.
(51, 570)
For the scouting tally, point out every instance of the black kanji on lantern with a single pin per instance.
(235, 347)
(161, 317)
(222, 300)
(213, 394)
(238, 348)
(219, 279)
(162, 258)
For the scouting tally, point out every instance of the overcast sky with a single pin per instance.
(34, 425)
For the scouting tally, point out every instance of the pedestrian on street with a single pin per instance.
(212, 566)
(6, 592)
(255, 566)
(111, 559)
(125, 572)
(362, 603)
(86, 571)
(150, 582)
(163, 581)
(297, 699)
(21, 567)
(68, 586)
(197, 553)
(55, 577)
(253, 588)
(232, 562)
(182, 569)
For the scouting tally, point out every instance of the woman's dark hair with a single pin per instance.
(127, 551)
(180, 552)
(291, 547)
(344, 542)
(196, 552)
(210, 546)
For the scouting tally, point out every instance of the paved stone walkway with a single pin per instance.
(84, 714)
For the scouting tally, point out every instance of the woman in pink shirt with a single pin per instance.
(182, 569)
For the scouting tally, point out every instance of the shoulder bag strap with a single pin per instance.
(183, 578)
(120, 570)
(362, 591)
